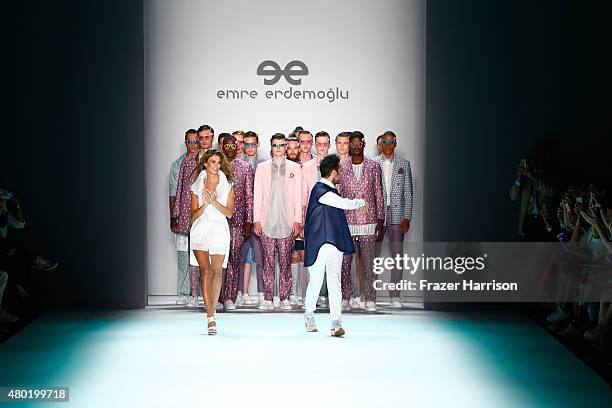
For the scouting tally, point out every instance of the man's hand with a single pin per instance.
(522, 171)
(174, 224)
(405, 225)
(246, 230)
(379, 230)
(296, 229)
(257, 229)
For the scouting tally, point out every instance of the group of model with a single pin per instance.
(229, 208)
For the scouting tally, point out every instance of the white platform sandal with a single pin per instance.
(212, 325)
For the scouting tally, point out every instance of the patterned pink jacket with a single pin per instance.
(243, 193)
(369, 188)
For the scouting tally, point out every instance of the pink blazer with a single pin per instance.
(310, 176)
(293, 192)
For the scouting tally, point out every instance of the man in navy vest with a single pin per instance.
(327, 239)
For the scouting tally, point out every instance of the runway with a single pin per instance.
(161, 357)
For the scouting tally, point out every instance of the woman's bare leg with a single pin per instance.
(216, 264)
(206, 277)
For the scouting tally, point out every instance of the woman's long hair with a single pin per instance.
(226, 167)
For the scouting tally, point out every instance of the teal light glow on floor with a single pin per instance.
(162, 358)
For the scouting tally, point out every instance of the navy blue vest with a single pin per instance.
(324, 224)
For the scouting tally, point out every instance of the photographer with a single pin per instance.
(534, 189)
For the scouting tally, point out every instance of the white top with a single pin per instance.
(387, 173)
(334, 200)
(222, 190)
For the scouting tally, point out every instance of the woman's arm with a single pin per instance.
(195, 210)
(228, 210)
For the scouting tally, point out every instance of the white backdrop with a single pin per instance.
(374, 50)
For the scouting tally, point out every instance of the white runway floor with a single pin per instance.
(160, 357)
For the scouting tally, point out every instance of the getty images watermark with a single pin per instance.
(458, 265)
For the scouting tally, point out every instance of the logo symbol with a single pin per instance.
(272, 69)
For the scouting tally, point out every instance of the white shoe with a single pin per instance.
(229, 305)
(309, 322)
(322, 302)
(192, 301)
(219, 306)
(345, 305)
(337, 330)
(293, 300)
(239, 300)
(558, 315)
(182, 300)
(42, 264)
(266, 305)
(250, 300)
(276, 302)
(260, 298)
(356, 303)
(395, 303)
(285, 305)
(300, 300)
(6, 317)
(370, 306)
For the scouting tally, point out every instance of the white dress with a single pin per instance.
(210, 231)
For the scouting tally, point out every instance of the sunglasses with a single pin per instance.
(230, 146)
(191, 142)
(388, 142)
(250, 145)
(357, 144)
(279, 146)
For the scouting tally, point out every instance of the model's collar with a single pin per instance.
(326, 181)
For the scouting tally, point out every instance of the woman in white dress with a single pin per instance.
(212, 203)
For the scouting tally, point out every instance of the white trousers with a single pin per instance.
(328, 260)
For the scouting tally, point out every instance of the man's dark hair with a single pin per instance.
(328, 164)
(292, 139)
(229, 138)
(190, 132)
(250, 133)
(343, 134)
(322, 134)
(222, 136)
(356, 135)
(206, 127)
(388, 133)
(304, 132)
(277, 136)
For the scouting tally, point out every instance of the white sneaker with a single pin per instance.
(300, 300)
(345, 305)
(558, 315)
(309, 322)
(239, 300)
(182, 300)
(250, 300)
(192, 301)
(260, 298)
(356, 303)
(276, 302)
(266, 305)
(42, 264)
(6, 317)
(285, 305)
(370, 306)
(322, 302)
(229, 305)
(219, 306)
(395, 303)
(293, 300)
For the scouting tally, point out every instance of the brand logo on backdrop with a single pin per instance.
(294, 68)
(272, 73)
